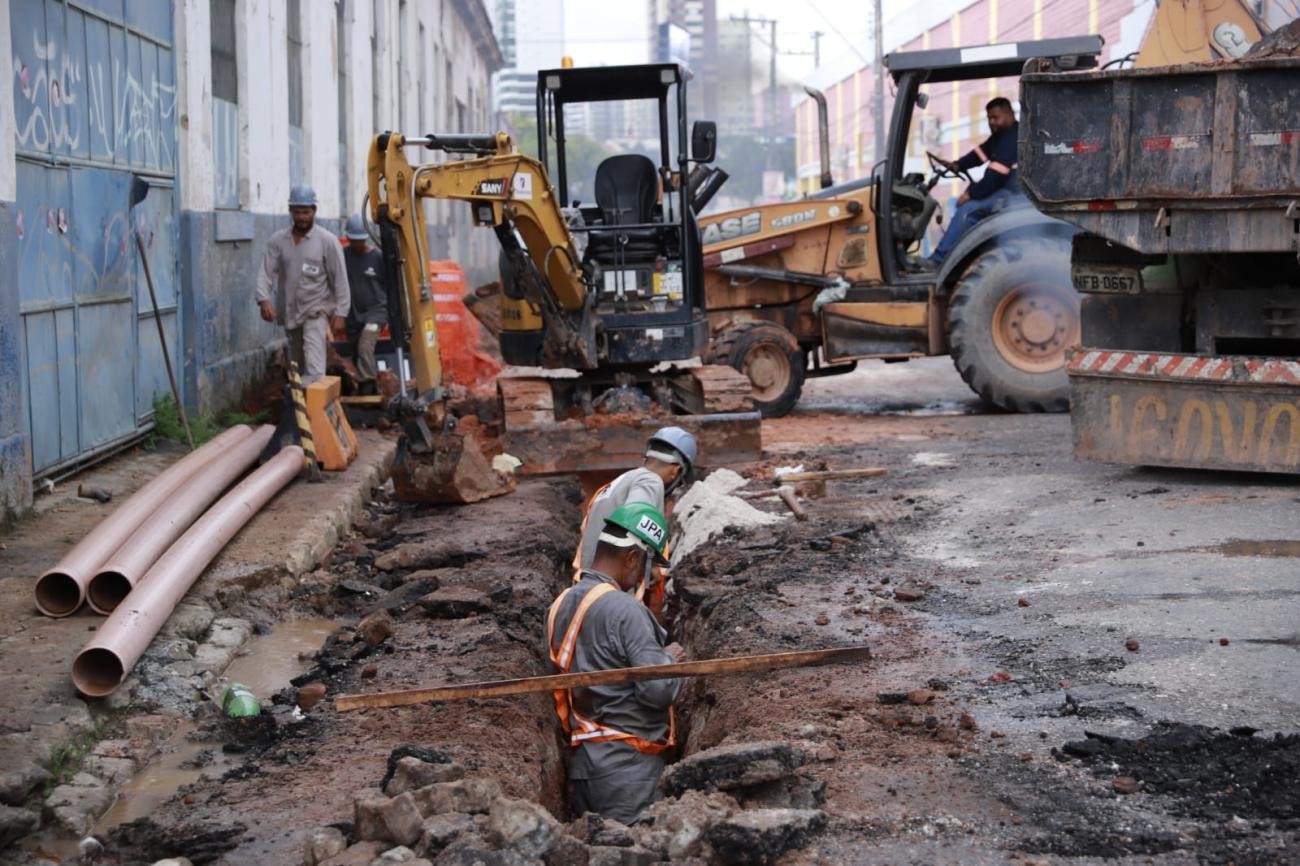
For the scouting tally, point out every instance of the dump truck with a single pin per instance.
(1185, 182)
(810, 287)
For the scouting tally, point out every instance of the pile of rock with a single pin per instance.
(743, 803)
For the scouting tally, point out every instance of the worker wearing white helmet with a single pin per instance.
(670, 457)
(303, 284)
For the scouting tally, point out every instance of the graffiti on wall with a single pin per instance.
(88, 89)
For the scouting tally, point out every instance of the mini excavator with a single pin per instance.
(611, 292)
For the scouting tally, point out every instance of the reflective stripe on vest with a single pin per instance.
(587, 730)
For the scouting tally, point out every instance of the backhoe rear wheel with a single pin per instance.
(1012, 318)
(770, 357)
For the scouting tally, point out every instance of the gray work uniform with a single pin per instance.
(369, 305)
(613, 778)
(307, 282)
(634, 485)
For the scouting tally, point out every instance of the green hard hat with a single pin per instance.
(646, 529)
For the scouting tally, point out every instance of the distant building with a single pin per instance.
(735, 114)
(220, 105)
(531, 35)
(699, 19)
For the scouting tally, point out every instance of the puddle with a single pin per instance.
(266, 665)
(267, 662)
(1242, 547)
(181, 762)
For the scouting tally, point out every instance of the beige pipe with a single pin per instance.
(106, 659)
(62, 589)
(125, 567)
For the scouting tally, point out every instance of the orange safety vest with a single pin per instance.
(580, 728)
(658, 573)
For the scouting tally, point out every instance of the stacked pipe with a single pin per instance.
(61, 590)
(118, 644)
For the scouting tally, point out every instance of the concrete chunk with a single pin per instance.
(16, 823)
(440, 830)
(322, 844)
(388, 819)
(474, 796)
(739, 765)
(759, 836)
(412, 773)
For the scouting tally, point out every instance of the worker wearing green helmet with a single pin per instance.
(618, 732)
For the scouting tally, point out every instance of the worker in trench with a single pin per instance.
(670, 456)
(303, 284)
(618, 732)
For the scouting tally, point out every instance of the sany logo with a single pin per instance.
(490, 187)
(651, 529)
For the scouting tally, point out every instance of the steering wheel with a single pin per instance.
(942, 171)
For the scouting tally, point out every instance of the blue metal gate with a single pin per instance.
(95, 102)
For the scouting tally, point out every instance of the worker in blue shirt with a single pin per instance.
(999, 183)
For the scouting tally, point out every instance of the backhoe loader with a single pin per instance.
(608, 295)
(810, 287)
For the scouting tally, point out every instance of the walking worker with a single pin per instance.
(669, 459)
(369, 313)
(618, 732)
(303, 284)
(999, 183)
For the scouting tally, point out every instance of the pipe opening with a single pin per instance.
(96, 672)
(58, 594)
(107, 590)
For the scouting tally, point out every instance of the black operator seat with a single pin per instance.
(627, 187)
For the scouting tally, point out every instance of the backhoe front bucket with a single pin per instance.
(453, 471)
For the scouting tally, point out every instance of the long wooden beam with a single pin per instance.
(527, 685)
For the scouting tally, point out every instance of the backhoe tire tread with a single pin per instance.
(733, 345)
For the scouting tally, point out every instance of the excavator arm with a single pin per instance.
(507, 191)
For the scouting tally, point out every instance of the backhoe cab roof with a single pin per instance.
(993, 61)
(607, 83)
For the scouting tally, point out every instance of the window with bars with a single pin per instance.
(224, 57)
(293, 57)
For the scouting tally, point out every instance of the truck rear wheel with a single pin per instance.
(770, 357)
(1013, 316)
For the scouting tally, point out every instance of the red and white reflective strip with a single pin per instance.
(1173, 142)
(979, 151)
(1000, 168)
(1066, 148)
(1205, 368)
(1273, 139)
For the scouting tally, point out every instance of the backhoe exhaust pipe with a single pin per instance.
(823, 134)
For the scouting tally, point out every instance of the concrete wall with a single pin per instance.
(405, 87)
(15, 455)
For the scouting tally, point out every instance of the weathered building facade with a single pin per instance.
(218, 106)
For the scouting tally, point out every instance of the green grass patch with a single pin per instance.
(67, 760)
(167, 421)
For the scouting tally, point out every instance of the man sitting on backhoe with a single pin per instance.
(618, 732)
(669, 457)
(992, 191)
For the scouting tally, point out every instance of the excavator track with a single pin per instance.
(721, 417)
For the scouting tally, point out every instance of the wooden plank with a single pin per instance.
(830, 475)
(530, 685)
(787, 496)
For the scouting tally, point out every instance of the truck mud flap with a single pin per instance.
(1192, 411)
(615, 443)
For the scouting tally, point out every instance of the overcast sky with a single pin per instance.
(614, 31)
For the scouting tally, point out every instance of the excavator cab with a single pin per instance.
(638, 243)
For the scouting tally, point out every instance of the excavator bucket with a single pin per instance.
(453, 470)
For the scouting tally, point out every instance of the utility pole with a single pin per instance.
(770, 122)
(817, 48)
(878, 79)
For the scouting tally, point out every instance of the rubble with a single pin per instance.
(473, 796)
(761, 835)
(412, 773)
(393, 819)
(455, 602)
(360, 854)
(375, 628)
(522, 826)
(727, 767)
(77, 803)
(16, 823)
(322, 844)
(440, 830)
(708, 507)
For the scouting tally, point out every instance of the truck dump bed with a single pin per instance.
(1202, 158)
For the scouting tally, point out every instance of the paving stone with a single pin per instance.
(567, 851)
(391, 819)
(322, 844)
(440, 830)
(759, 836)
(606, 855)
(78, 803)
(412, 773)
(15, 823)
(16, 785)
(474, 796)
(360, 854)
(521, 825)
(733, 766)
